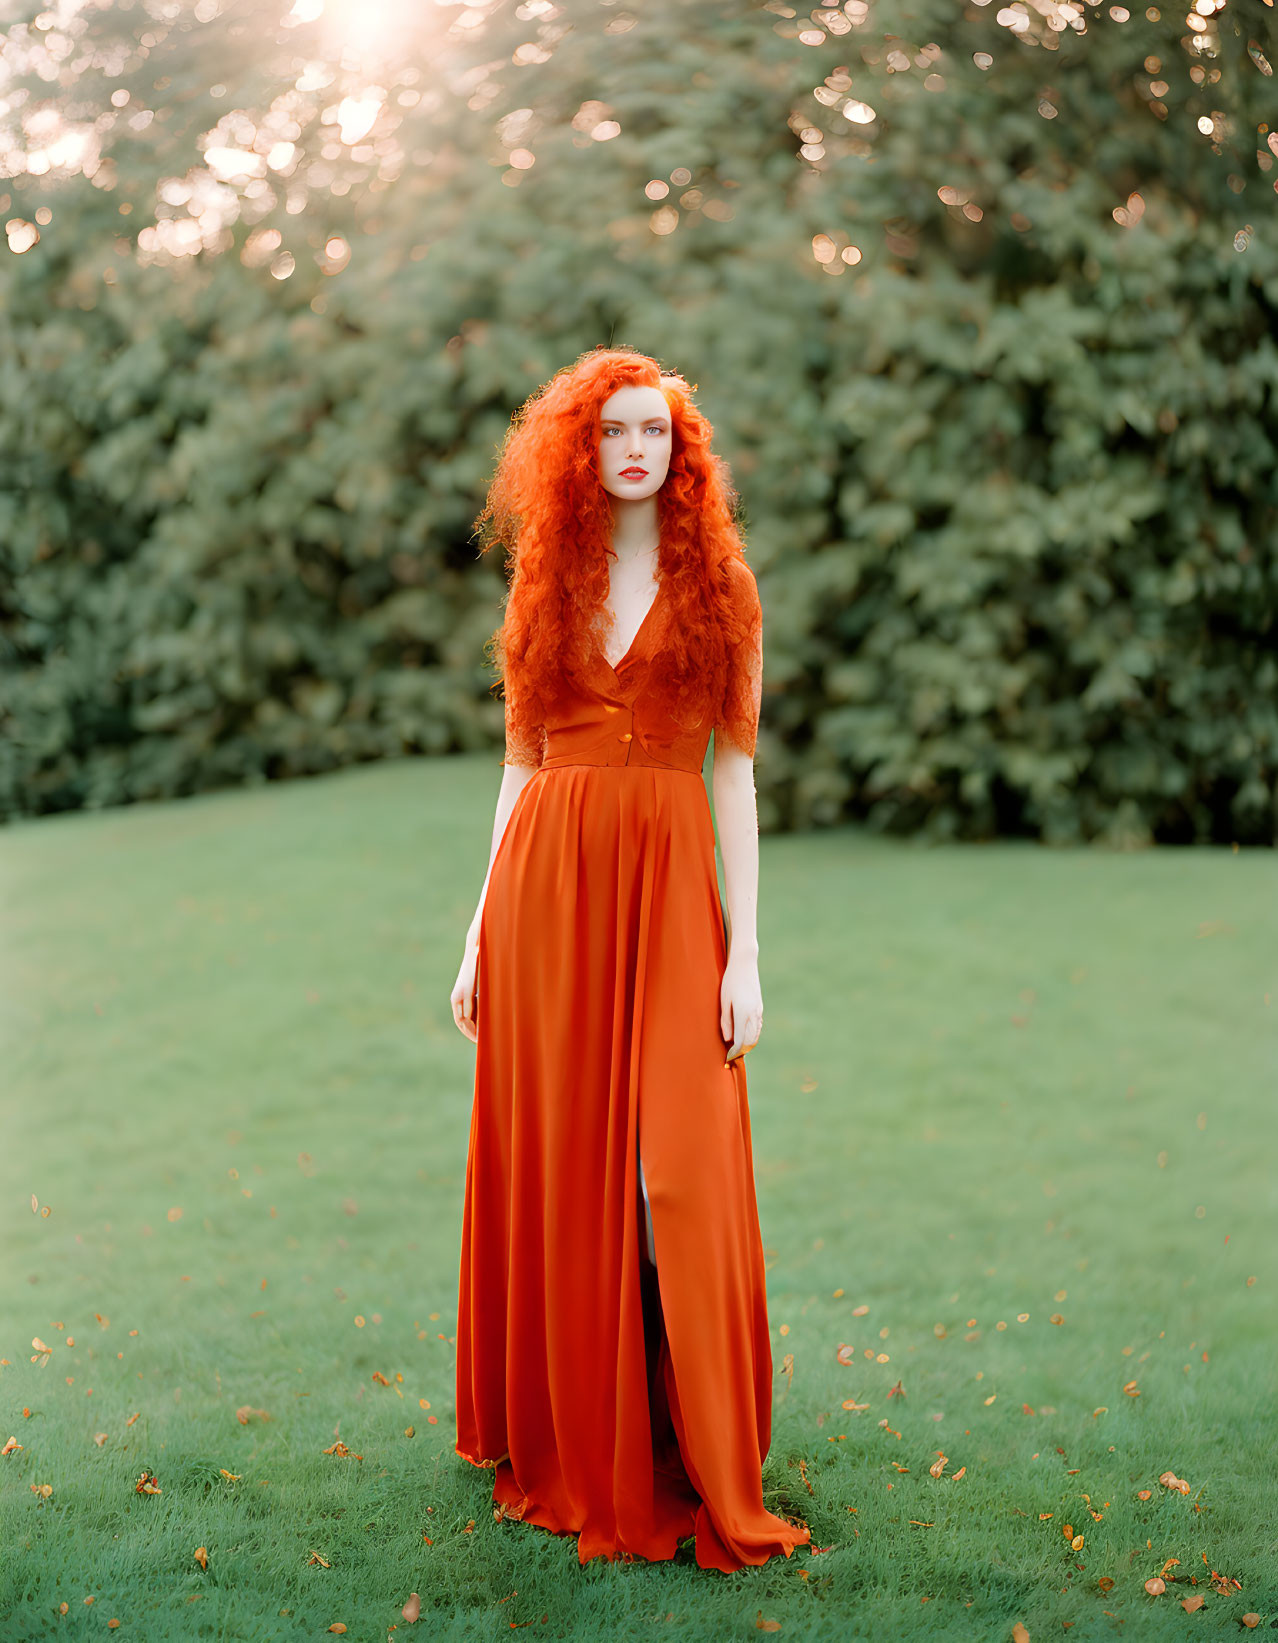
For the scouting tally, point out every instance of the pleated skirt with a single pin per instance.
(629, 1407)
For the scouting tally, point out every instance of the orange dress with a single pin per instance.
(630, 1412)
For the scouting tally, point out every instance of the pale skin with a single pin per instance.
(635, 434)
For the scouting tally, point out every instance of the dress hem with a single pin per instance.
(697, 1536)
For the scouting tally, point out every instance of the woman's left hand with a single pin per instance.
(740, 1006)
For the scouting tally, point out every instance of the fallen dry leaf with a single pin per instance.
(316, 1558)
(11, 1447)
(1169, 1480)
(1155, 1587)
(1019, 1634)
(413, 1608)
(340, 1449)
(147, 1485)
(844, 1353)
(1251, 1621)
(337, 1626)
(767, 1625)
(1105, 1584)
(938, 1465)
(1192, 1604)
(201, 1555)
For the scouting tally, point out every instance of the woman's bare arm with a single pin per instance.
(515, 777)
(737, 817)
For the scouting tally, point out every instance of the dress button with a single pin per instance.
(624, 737)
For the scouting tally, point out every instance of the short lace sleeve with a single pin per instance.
(524, 735)
(738, 717)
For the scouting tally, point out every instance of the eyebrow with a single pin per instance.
(618, 421)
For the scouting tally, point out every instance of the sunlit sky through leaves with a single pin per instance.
(347, 72)
(352, 84)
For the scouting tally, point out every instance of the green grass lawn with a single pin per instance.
(1015, 1143)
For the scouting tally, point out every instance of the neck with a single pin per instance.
(636, 530)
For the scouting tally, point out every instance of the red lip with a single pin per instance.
(634, 473)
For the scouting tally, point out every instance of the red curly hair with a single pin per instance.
(547, 507)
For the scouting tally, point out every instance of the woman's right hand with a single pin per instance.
(465, 994)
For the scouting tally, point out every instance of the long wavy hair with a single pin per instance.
(548, 509)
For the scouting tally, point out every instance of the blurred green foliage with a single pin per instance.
(981, 302)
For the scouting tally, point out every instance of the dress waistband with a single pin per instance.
(577, 761)
(615, 735)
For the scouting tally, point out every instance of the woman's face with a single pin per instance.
(635, 437)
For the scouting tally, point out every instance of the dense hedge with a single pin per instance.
(1009, 468)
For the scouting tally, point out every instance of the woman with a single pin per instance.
(613, 1359)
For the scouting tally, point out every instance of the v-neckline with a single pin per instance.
(615, 670)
